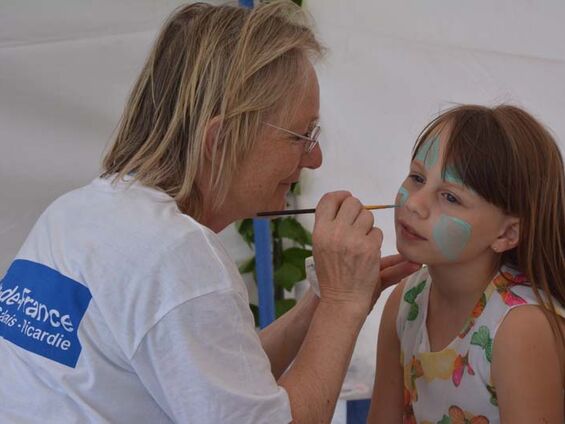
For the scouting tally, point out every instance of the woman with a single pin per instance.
(122, 305)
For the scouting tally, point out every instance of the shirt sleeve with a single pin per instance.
(203, 363)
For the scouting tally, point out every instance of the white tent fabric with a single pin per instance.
(66, 68)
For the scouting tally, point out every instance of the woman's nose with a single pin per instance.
(312, 159)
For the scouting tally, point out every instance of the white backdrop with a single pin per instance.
(66, 68)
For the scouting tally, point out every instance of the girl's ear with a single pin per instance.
(509, 237)
(211, 137)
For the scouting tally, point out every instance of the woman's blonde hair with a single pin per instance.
(239, 65)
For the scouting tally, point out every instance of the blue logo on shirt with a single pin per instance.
(41, 310)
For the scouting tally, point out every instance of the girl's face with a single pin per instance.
(442, 221)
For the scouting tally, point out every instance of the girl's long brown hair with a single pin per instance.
(512, 161)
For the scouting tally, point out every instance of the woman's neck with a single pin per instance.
(215, 221)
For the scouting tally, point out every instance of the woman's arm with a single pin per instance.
(526, 369)
(387, 401)
(282, 339)
(346, 250)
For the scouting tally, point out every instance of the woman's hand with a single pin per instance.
(393, 269)
(347, 251)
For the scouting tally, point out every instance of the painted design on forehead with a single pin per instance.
(403, 193)
(451, 236)
(428, 153)
(451, 175)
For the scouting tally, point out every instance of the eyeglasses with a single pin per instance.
(310, 140)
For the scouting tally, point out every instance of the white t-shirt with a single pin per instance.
(121, 309)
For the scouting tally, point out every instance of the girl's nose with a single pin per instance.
(417, 203)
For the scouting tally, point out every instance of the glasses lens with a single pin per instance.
(315, 133)
(313, 136)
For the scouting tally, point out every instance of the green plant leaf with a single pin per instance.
(295, 188)
(255, 312)
(296, 256)
(287, 275)
(308, 238)
(291, 229)
(247, 266)
(245, 229)
(445, 420)
(283, 305)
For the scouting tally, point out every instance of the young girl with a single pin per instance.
(476, 336)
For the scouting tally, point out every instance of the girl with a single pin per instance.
(477, 335)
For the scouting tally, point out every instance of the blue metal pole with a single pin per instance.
(263, 256)
(246, 3)
(264, 270)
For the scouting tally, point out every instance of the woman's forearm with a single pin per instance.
(314, 380)
(282, 339)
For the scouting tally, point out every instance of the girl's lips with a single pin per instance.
(409, 233)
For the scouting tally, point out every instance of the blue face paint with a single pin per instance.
(451, 236)
(450, 175)
(428, 153)
(403, 193)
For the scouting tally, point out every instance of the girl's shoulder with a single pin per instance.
(511, 289)
(528, 362)
(522, 325)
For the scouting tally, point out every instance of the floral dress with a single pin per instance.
(454, 386)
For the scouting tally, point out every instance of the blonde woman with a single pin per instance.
(123, 307)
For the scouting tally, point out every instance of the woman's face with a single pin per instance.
(277, 158)
(440, 219)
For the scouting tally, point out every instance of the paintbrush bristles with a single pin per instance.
(372, 207)
(313, 210)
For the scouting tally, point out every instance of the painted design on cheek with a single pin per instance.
(428, 153)
(451, 236)
(403, 193)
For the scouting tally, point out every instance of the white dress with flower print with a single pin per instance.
(454, 385)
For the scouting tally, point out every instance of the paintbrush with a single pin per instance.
(313, 210)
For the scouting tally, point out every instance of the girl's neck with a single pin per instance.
(460, 284)
(454, 293)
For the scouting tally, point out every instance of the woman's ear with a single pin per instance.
(211, 137)
(509, 237)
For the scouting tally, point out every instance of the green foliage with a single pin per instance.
(283, 305)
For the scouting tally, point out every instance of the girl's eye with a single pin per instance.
(417, 178)
(451, 198)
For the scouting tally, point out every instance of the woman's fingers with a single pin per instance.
(346, 250)
(394, 268)
(329, 205)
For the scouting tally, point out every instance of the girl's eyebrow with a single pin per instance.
(416, 164)
(455, 185)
